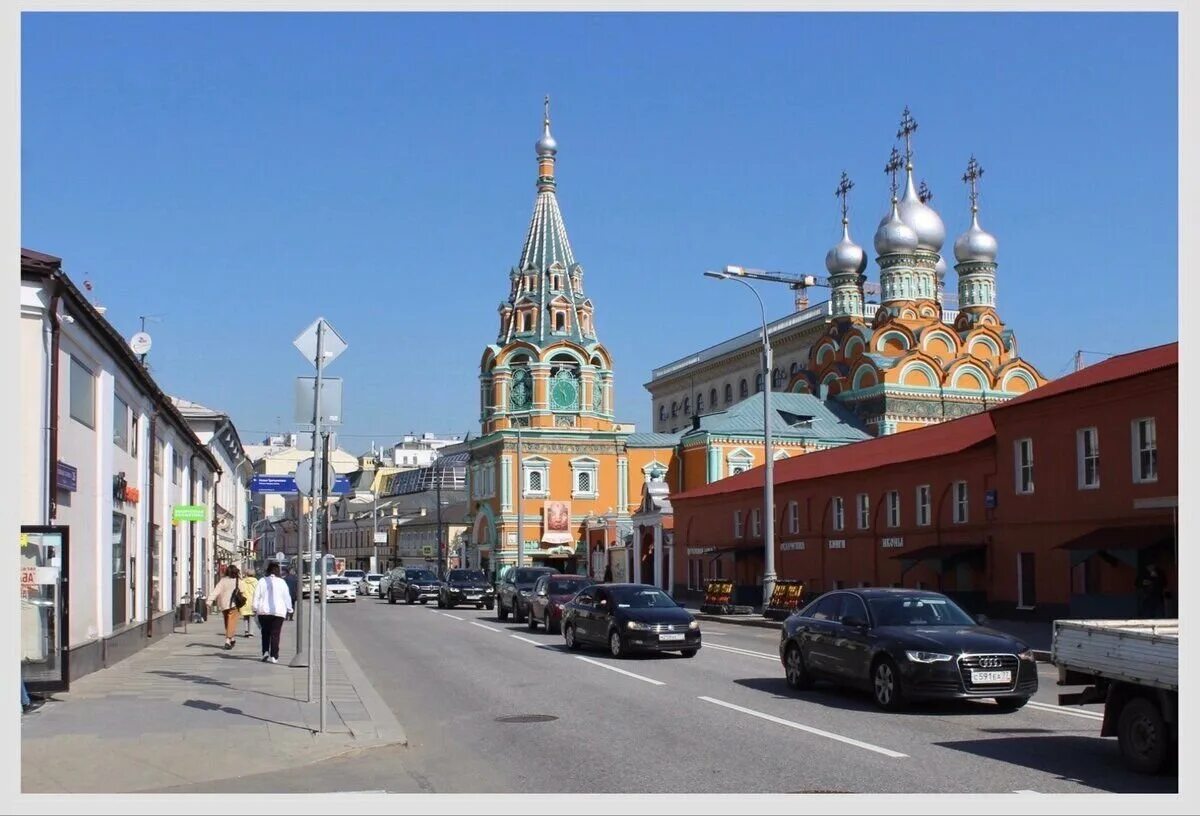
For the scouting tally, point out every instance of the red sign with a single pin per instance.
(132, 494)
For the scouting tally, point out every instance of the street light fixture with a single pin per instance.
(736, 273)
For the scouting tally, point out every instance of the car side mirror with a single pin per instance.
(854, 622)
(981, 619)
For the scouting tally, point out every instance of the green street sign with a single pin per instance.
(188, 512)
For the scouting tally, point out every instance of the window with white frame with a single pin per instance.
(1145, 450)
(82, 385)
(923, 505)
(1023, 460)
(120, 423)
(1087, 458)
(737, 523)
(793, 517)
(864, 511)
(740, 461)
(960, 502)
(537, 477)
(839, 513)
(756, 522)
(583, 477)
(893, 507)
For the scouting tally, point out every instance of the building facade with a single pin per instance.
(1052, 504)
(106, 455)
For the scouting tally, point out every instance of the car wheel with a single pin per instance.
(391, 598)
(409, 599)
(689, 652)
(532, 622)
(489, 606)
(424, 601)
(551, 626)
(1142, 736)
(616, 644)
(569, 638)
(480, 606)
(518, 614)
(1011, 703)
(794, 669)
(501, 612)
(441, 603)
(885, 685)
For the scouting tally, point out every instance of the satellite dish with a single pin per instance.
(140, 343)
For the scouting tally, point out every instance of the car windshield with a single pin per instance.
(374, 576)
(466, 575)
(642, 598)
(566, 586)
(421, 575)
(337, 580)
(918, 610)
(354, 574)
(528, 576)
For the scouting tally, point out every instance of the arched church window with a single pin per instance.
(758, 382)
(743, 390)
(728, 393)
(560, 321)
(662, 411)
(700, 402)
(674, 408)
(712, 398)
(687, 406)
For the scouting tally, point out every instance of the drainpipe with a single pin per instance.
(150, 530)
(52, 404)
(191, 582)
(216, 492)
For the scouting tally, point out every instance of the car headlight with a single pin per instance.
(1027, 656)
(694, 625)
(524, 593)
(638, 625)
(928, 657)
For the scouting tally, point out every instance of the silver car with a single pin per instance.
(369, 585)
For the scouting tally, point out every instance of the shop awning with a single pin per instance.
(1121, 542)
(944, 555)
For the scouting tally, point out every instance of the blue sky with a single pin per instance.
(239, 174)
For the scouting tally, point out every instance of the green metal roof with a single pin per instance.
(793, 416)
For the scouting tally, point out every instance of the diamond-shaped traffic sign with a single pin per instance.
(332, 344)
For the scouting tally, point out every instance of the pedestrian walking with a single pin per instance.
(272, 603)
(248, 585)
(293, 585)
(226, 595)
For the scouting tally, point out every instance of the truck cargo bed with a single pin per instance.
(1144, 652)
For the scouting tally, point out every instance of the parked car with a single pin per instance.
(355, 576)
(463, 586)
(340, 588)
(629, 618)
(369, 585)
(413, 584)
(386, 580)
(904, 644)
(550, 594)
(513, 593)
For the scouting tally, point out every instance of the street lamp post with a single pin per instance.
(768, 447)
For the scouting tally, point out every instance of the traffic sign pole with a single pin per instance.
(312, 524)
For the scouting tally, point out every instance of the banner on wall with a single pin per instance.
(556, 525)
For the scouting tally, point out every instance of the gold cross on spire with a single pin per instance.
(843, 192)
(892, 167)
(971, 177)
(908, 126)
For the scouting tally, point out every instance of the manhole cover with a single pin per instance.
(527, 718)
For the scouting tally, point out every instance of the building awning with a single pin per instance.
(944, 555)
(1120, 542)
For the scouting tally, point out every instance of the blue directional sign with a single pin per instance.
(262, 483)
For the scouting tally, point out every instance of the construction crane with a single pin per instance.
(801, 283)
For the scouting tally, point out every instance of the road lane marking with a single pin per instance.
(864, 745)
(745, 652)
(1024, 791)
(620, 671)
(1088, 715)
(527, 640)
(456, 617)
(484, 626)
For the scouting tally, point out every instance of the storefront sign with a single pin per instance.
(785, 598)
(892, 542)
(123, 492)
(189, 512)
(66, 477)
(837, 543)
(700, 550)
(718, 592)
(792, 545)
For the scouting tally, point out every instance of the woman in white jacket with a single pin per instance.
(272, 603)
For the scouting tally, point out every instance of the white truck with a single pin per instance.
(1132, 666)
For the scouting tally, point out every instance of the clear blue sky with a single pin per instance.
(240, 174)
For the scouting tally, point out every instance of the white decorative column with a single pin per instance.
(658, 553)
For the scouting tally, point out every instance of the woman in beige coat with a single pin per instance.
(248, 584)
(223, 600)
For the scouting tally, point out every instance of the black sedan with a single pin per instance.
(464, 586)
(412, 585)
(904, 644)
(629, 618)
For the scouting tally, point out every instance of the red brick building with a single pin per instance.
(1051, 504)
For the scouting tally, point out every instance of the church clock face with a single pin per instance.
(565, 391)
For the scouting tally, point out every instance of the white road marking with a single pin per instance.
(484, 626)
(1024, 791)
(456, 617)
(864, 745)
(620, 671)
(1089, 715)
(527, 640)
(745, 652)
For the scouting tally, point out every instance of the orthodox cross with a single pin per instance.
(892, 167)
(924, 193)
(546, 108)
(971, 177)
(908, 126)
(843, 192)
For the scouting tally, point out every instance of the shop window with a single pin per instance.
(83, 394)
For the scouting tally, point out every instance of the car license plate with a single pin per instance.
(677, 636)
(978, 677)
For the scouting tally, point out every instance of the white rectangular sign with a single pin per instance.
(837, 543)
(792, 545)
(893, 542)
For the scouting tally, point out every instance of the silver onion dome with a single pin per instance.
(940, 269)
(976, 244)
(931, 232)
(546, 146)
(845, 256)
(894, 235)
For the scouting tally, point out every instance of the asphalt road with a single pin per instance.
(724, 721)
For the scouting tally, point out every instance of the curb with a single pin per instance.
(387, 727)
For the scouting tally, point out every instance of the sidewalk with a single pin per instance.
(184, 710)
